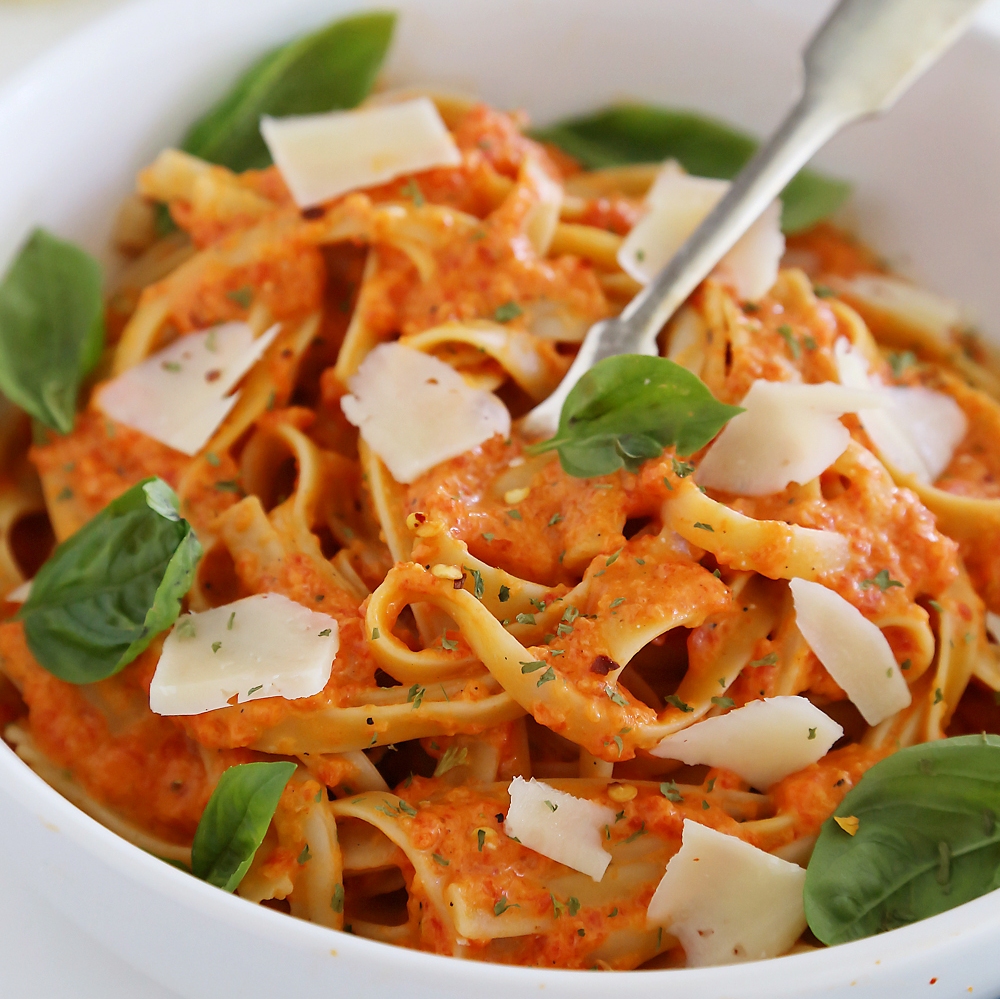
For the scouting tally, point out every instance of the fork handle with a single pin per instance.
(861, 60)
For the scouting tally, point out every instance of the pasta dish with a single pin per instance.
(295, 602)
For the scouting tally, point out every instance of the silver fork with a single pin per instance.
(864, 56)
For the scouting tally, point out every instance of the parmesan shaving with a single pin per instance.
(415, 411)
(322, 156)
(559, 826)
(992, 624)
(918, 429)
(262, 646)
(789, 433)
(20, 594)
(852, 649)
(726, 901)
(904, 304)
(678, 204)
(180, 395)
(763, 742)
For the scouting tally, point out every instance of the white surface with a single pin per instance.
(45, 956)
(84, 119)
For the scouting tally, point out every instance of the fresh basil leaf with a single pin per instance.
(235, 820)
(639, 133)
(928, 839)
(627, 409)
(51, 327)
(111, 587)
(330, 69)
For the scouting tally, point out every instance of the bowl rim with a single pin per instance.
(823, 966)
(946, 933)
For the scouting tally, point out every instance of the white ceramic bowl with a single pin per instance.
(77, 125)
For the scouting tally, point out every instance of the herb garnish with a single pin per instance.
(881, 580)
(234, 822)
(477, 579)
(893, 870)
(669, 791)
(333, 68)
(112, 586)
(678, 703)
(506, 312)
(627, 409)
(785, 332)
(503, 905)
(51, 327)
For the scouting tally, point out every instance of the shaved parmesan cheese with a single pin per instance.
(726, 901)
(415, 411)
(180, 395)
(19, 595)
(789, 433)
(751, 266)
(852, 649)
(904, 303)
(678, 204)
(992, 625)
(918, 429)
(262, 646)
(559, 826)
(933, 421)
(322, 156)
(763, 741)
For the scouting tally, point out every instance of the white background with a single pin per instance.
(42, 955)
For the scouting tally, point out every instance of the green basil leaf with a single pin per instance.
(928, 839)
(330, 69)
(627, 409)
(51, 327)
(639, 133)
(235, 820)
(111, 587)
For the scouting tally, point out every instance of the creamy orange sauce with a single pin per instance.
(469, 254)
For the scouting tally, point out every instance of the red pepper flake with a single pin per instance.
(316, 212)
(214, 375)
(603, 665)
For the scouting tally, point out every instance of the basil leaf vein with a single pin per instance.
(640, 133)
(330, 69)
(111, 587)
(928, 840)
(627, 409)
(235, 820)
(51, 327)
